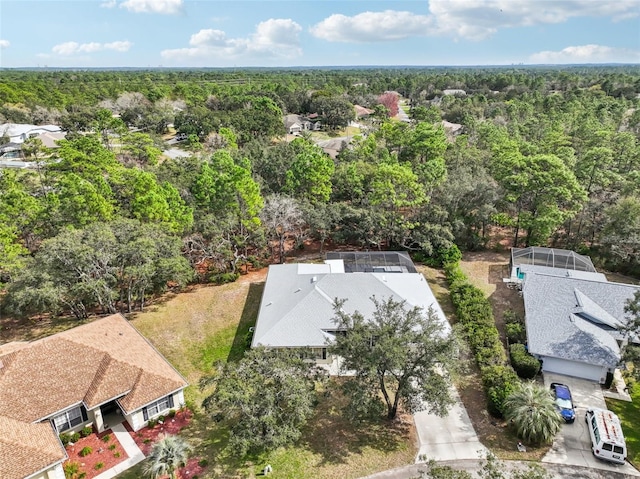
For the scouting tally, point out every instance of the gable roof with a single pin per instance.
(17, 129)
(575, 318)
(297, 304)
(31, 448)
(91, 364)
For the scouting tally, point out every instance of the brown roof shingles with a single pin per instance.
(29, 447)
(94, 362)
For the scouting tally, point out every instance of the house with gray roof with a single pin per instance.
(297, 307)
(573, 314)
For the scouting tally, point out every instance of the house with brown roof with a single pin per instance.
(99, 374)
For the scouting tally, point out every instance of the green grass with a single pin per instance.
(629, 414)
(196, 329)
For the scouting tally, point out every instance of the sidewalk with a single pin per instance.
(130, 447)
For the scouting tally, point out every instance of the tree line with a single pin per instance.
(542, 157)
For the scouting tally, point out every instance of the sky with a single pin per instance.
(276, 33)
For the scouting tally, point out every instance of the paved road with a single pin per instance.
(558, 471)
(447, 438)
(573, 444)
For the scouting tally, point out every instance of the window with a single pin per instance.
(618, 450)
(155, 408)
(69, 419)
(607, 447)
(319, 353)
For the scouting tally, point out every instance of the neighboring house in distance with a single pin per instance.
(454, 91)
(18, 133)
(295, 124)
(101, 373)
(362, 112)
(297, 311)
(573, 314)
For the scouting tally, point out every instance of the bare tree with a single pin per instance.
(282, 219)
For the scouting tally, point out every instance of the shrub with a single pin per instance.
(161, 418)
(65, 438)
(75, 437)
(203, 463)
(171, 413)
(98, 466)
(223, 278)
(106, 438)
(499, 382)
(85, 451)
(86, 431)
(116, 454)
(515, 332)
(152, 423)
(451, 254)
(147, 441)
(112, 447)
(524, 363)
(72, 471)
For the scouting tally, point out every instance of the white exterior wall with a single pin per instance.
(574, 368)
(136, 418)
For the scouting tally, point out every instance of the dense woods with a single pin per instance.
(543, 157)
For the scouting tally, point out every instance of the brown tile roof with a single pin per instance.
(30, 448)
(93, 363)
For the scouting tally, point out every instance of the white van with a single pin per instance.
(607, 440)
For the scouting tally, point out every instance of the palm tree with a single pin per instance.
(532, 411)
(167, 455)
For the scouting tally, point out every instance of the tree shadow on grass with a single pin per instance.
(242, 338)
(333, 437)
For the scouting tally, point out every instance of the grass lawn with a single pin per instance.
(629, 414)
(193, 330)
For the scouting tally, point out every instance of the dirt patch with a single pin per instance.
(486, 270)
(106, 452)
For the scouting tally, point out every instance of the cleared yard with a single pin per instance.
(629, 414)
(195, 329)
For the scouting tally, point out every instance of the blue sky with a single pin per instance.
(272, 33)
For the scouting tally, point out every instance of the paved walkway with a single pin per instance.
(130, 447)
(447, 438)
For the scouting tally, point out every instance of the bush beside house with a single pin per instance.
(474, 313)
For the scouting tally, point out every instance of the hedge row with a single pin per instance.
(474, 313)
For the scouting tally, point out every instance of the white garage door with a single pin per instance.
(575, 369)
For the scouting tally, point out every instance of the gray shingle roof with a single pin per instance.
(562, 313)
(297, 303)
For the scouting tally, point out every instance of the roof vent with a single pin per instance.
(314, 279)
(297, 290)
(384, 278)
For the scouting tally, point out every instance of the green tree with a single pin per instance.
(309, 176)
(265, 398)
(533, 413)
(399, 352)
(167, 455)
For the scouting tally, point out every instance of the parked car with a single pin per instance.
(607, 439)
(181, 136)
(564, 402)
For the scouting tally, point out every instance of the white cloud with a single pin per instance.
(587, 54)
(274, 38)
(478, 19)
(72, 48)
(166, 7)
(108, 4)
(372, 26)
(4, 43)
(470, 19)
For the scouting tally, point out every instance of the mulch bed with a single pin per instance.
(100, 453)
(147, 436)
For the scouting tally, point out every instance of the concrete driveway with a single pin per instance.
(447, 438)
(572, 445)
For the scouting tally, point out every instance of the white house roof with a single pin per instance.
(575, 318)
(297, 303)
(16, 129)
